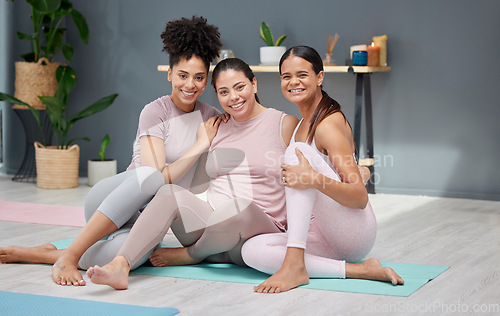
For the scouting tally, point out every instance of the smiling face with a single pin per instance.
(299, 83)
(236, 94)
(189, 78)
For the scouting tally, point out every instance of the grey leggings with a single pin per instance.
(212, 235)
(120, 198)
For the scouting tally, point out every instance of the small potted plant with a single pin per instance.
(101, 168)
(270, 54)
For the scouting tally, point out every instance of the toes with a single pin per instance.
(259, 289)
(267, 289)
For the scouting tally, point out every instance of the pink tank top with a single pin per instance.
(245, 162)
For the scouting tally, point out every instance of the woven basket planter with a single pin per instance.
(56, 168)
(33, 80)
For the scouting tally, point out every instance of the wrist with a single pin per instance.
(201, 145)
(317, 180)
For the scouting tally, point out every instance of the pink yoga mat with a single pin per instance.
(47, 214)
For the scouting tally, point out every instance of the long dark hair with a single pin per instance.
(235, 64)
(327, 106)
(184, 38)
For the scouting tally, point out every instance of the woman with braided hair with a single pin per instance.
(174, 130)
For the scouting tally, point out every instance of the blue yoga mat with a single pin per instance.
(21, 304)
(414, 275)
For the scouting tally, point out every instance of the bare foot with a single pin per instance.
(371, 269)
(15, 254)
(65, 271)
(114, 274)
(288, 277)
(163, 257)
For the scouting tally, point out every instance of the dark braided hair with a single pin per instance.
(184, 38)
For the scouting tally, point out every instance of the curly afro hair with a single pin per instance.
(184, 38)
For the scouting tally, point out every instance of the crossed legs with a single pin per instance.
(336, 232)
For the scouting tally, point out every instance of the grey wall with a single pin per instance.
(435, 113)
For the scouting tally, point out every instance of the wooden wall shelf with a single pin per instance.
(355, 69)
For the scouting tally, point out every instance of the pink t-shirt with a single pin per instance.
(244, 161)
(162, 119)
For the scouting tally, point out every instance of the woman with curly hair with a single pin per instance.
(174, 130)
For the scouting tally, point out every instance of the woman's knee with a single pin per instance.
(150, 179)
(97, 194)
(251, 250)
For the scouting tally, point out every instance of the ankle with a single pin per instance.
(294, 258)
(121, 262)
(69, 256)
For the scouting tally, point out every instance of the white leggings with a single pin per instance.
(120, 198)
(329, 232)
(212, 235)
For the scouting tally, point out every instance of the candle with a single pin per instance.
(373, 55)
(357, 47)
(359, 57)
(381, 41)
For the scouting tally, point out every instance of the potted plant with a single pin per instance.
(270, 54)
(101, 168)
(35, 75)
(57, 166)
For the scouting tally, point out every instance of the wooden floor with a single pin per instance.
(462, 234)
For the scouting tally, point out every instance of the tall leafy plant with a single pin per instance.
(57, 105)
(47, 31)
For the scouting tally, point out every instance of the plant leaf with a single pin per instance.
(28, 57)
(97, 107)
(280, 40)
(45, 6)
(66, 78)
(24, 36)
(68, 51)
(69, 142)
(266, 34)
(53, 108)
(56, 118)
(13, 100)
(81, 25)
(54, 43)
(104, 144)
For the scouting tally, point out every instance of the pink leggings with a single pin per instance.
(215, 235)
(329, 232)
